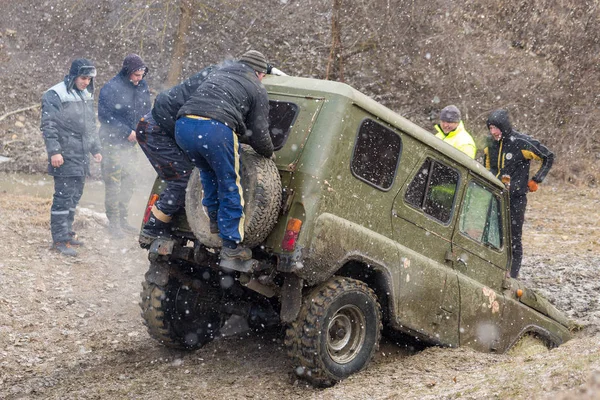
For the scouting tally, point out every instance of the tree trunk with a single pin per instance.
(179, 47)
(335, 65)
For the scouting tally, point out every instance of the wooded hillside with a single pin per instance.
(537, 58)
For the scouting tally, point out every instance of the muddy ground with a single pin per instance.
(70, 327)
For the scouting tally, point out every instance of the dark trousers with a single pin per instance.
(118, 172)
(214, 149)
(67, 193)
(170, 163)
(518, 204)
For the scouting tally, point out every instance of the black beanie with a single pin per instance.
(133, 63)
(255, 60)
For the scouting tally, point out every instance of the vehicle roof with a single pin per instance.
(323, 88)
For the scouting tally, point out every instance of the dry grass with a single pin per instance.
(23, 211)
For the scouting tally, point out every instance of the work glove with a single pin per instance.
(506, 180)
(271, 70)
(533, 185)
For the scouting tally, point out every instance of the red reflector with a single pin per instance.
(291, 234)
(153, 199)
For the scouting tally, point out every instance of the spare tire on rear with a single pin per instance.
(261, 184)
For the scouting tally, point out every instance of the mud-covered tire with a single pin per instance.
(337, 331)
(529, 345)
(261, 185)
(179, 317)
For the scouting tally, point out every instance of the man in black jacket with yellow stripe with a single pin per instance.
(509, 157)
(229, 107)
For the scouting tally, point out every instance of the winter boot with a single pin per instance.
(158, 225)
(214, 223)
(115, 230)
(65, 249)
(125, 227)
(232, 251)
(74, 241)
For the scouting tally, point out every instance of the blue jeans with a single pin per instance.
(213, 147)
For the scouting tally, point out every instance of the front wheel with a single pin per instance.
(528, 345)
(337, 331)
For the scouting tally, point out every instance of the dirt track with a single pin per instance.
(70, 328)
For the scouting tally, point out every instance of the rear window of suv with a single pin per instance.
(376, 155)
(282, 115)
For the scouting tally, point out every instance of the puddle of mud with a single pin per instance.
(41, 185)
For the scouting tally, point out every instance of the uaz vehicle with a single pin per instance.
(364, 220)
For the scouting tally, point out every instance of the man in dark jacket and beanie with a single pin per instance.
(508, 156)
(69, 129)
(229, 106)
(122, 102)
(156, 137)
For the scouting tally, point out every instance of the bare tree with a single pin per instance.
(179, 47)
(335, 64)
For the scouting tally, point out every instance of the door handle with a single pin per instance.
(449, 256)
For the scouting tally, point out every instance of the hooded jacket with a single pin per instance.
(121, 103)
(168, 103)
(512, 154)
(458, 138)
(234, 96)
(69, 123)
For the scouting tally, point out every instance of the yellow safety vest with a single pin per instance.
(458, 138)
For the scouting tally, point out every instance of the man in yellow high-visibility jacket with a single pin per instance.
(452, 131)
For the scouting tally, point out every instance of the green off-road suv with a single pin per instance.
(364, 221)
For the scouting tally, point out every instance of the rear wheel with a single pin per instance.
(181, 317)
(337, 331)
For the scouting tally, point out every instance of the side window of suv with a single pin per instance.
(376, 154)
(480, 218)
(282, 115)
(433, 190)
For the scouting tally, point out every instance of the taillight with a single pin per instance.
(291, 234)
(153, 199)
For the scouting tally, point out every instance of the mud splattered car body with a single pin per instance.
(380, 224)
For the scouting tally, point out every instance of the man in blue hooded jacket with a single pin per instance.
(69, 128)
(122, 102)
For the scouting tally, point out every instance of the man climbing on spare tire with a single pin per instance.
(155, 134)
(230, 106)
